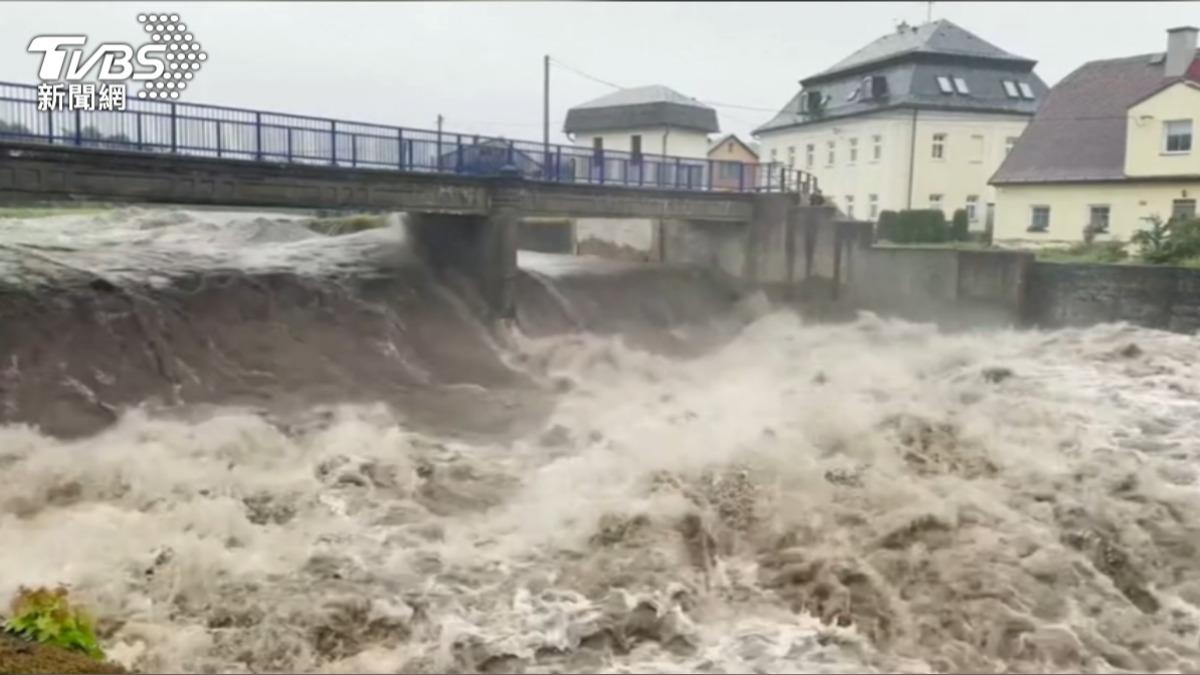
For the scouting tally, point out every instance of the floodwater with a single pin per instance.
(256, 481)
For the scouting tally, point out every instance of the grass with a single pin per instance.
(46, 212)
(333, 226)
(1105, 252)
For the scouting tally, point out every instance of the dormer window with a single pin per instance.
(1010, 88)
(1026, 91)
(944, 84)
(960, 85)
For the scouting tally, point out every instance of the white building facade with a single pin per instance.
(919, 119)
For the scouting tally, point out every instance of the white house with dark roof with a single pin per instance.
(652, 120)
(919, 118)
(1113, 146)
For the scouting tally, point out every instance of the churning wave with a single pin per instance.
(249, 448)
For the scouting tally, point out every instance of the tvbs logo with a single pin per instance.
(165, 65)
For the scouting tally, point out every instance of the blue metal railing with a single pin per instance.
(201, 130)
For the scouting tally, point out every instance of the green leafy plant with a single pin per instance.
(914, 226)
(46, 616)
(1169, 243)
(960, 226)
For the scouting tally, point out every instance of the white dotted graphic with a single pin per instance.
(182, 53)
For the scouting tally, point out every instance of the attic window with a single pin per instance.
(1010, 88)
(1026, 91)
(944, 84)
(960, 85)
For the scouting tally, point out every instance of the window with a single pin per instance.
(831, 147)
(729, 147)
(972, 208)
(1039, 218)
(1010, 88)
(635, 147)
(960, 85)
(810, 152)
(853, 150)
(1177, 136)
(1025, 90)
(791, 156)
(1098, 218)
(976, 148)
(850, 206)
(944, 84)
(939, 146)
(774, 154)
(935, 202)
(1183, 209)
(1009, 143)
(877, 149)
(873, 205)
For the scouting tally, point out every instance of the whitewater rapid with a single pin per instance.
(866, 496)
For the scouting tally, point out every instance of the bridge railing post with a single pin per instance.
(139, 130)
(558, 172)
(438, 149)
(710, 175)
(218, 138)
(78, 127)
(676, 173)
(50, 127)
(258, 136)
(333, 142)
(458, 154)
(400, 149)
(289, 145)
(353, 150)
(741, 176)
(174, 129)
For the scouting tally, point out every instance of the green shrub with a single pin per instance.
(914, 226)
(959, 226)
(47, 617)
(1085, 252)
(1169, 243)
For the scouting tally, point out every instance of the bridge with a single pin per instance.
(466, 195)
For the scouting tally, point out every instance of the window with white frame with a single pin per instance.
(944, 84)
(935, 202)
(972, 208)
(1177, 136)
(1098, 216)
(850, 206)
(774, 154)
(831, 154)
(791, 156)
(939, 146)
(877, 149)
(1026, 91)
(853, 142)
(873, 206)
(960, 85)
(1010, 89)
(1039, 218)
(810, 152)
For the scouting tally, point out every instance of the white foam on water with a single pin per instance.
(867, 496)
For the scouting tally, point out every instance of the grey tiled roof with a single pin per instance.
(1079, 132)
(938, 37)
(913, 84)
(641, 107)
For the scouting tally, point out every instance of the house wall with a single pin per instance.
(1145, 136)
(731, 151)
(960, 172)
(678, 142)
(1130, 203)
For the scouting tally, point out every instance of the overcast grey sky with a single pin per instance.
(480, 63)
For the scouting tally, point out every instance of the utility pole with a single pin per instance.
(928, 12)
(546, 111)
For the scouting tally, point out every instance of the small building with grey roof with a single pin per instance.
(654, 120)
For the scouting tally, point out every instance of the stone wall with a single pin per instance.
(1076, 295)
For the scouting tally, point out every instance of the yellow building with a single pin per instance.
(1112, 147)
(919, 118)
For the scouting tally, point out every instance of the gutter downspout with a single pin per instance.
(912, 157)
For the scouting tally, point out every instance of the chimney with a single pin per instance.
(1181, 50)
